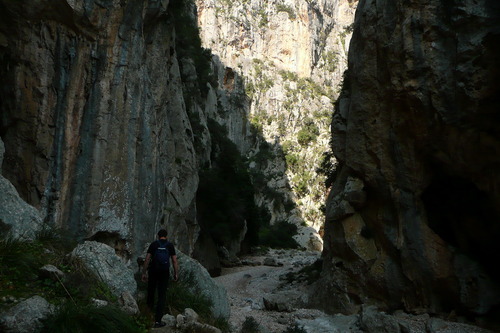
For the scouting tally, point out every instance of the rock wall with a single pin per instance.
(413, 216)
(289, 57)
(94, 121)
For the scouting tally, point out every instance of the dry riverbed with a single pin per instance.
(275, 294)
(270, 294)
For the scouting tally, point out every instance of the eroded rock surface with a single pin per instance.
(94, 120)
(417, 123)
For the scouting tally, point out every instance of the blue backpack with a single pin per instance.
(161, 258)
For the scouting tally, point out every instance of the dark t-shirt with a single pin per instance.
(152, 249)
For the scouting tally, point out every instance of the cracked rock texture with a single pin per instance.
(417, 125)
(93, 119)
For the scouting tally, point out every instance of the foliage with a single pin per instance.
(20, 261)
(301, 183)
(180, 295)
(287, 75)
(287, 9)
(330, 61)
(327, 168)
(264, 20)
(16, 257)
(279, 235)
(308, 133)
(292, 160)
(71, 318)
(264, 154)
(263, 82)
(249, 89)
(225, 193)
(188, 42)
(185, 294)
(256, 121)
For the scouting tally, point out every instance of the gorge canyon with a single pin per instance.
(371, 127)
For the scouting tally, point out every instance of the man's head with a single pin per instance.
(162, 233)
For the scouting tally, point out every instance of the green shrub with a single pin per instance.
(308, 133)
(287, 9)
(20, 261)
(250, 89)
(185, 294)
(225, 193)
(279, 235)
(55, 239)
(18, 258)
(256, 123)
(264, 154)
(188, 43)
(287, 75)
(301, 183)
(91, 319)
(327, 168)
(331, 61)
(292, 160)
(180, 295)
(264, 20)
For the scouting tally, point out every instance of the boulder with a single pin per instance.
(128, 303)
(16, 216)
(26, 316)
(270, 261)
(190, 315)
(330, 324)
(204, 284)
(169, 320)
(99, 303)
(284, 301)
(373, 321)
(101, 259)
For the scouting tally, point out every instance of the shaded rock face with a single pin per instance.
(417, 127)
(93, 118)
(16, 216)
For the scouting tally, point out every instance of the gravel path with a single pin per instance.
(247, 286)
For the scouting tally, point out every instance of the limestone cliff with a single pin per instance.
(413, 216)
(94, 120)
(290, 57)
(111, 111)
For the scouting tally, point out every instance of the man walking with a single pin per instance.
(156, 273)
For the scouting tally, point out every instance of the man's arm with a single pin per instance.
(145, 267)
(176, 267)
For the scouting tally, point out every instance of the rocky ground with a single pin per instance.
(272, 289)
(266, 289)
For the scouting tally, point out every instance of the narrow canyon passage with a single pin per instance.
(366, 131)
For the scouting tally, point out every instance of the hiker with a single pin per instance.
(156, 272)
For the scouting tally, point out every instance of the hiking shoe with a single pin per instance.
(159, 324)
